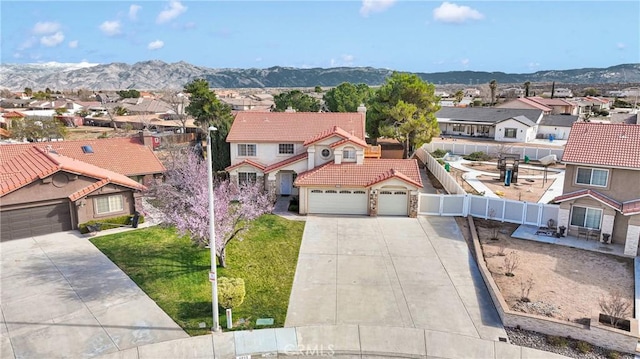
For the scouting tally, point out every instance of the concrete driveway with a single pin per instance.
(390, 271)
(62, 298)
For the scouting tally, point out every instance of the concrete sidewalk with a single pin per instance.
(341, 341)
(62, 298)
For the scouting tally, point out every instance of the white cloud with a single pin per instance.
(42, 28)
(621, 46)
(347, 58)
(17, 55)
(371, 6)
(110, 28)
(27, 43)
(452, 13)
(155, 45)
(52, 40)
(73, 44)
(133, 11)
(170, 12)
(465, 62)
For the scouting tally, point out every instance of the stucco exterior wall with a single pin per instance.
(266, 153)
(47, 189)
(522, 131)
(86, 208)
(621, 186)
(558, 132)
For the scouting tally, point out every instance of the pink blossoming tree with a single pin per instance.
(183, 201)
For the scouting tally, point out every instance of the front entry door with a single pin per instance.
(286, 180)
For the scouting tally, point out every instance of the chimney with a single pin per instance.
(289, 109)
(363, 110)
(146, 139)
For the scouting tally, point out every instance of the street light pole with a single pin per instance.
(213, 275)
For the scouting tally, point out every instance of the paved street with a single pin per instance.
(62, 298)
(390, 271)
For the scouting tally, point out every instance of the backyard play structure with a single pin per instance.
(508, 166)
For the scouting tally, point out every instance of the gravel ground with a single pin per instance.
(539, 341)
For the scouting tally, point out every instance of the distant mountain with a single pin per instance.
(150, 75)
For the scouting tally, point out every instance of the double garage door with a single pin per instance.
(29, 222)
(356, 201)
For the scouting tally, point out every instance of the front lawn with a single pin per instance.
(174, 273)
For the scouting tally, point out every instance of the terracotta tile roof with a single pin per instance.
(288, 161)
(292, 126)
(335, 131)
(528, 101)
(13, 114)
(590, 193)
(631, 207)
(85, 191)
(372, 171)
(127, 156)
(603, 144)
(255, 164)
(35, 163)
(550, 101)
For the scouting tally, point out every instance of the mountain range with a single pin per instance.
(155, 75)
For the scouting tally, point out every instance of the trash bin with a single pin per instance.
(135, 220)
(526, 159)
(447, 166)
(551, 138)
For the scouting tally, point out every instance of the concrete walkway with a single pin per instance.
(390, 271)
(62, 298)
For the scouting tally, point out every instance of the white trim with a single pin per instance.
(590, 184)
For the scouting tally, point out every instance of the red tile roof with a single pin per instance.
(372, 171)
(603, 144)
(35, 163)
(534, 104)
(335, 131)
(255, 164)
(127, 156)
(13, 114)
(593, 194)
(288, 161)
(292, 126)
(631, 207)
(550, 101)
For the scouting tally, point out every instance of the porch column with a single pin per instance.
(631, 242)
(563, 217)
(271, 186)
(413, 204)
(373, 203)
(607, 224)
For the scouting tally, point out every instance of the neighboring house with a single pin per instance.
(590, 105)
(127, 156)
(558, 126)
(44, 192)
(324, 160)
(550, 106)
(602, 182)
(501, 124)
(559, 92)
(7, 118)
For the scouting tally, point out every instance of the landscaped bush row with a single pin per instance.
(109, 223)
(477, 156)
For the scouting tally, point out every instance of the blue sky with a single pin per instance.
(417, 36)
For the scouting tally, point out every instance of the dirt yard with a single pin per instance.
(530, 190)
(566, 283)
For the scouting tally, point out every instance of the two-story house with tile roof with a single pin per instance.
(42, 191)
(602, 182)
(322, 158)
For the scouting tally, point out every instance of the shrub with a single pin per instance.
(511, 262)
(583, 347)
(556, 341)
(439, 153)
(613, 355)
(109, 223)
(615, 307)
(477, 156)
(440, 161)
(231, 292)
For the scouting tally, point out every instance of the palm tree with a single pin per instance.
(493, 85)
(526, 88)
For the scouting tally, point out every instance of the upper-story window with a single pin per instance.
(592, 177)
(510, 132)
(285, 149)
(349, 153)
(245, 149)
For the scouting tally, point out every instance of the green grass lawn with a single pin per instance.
(174, 273)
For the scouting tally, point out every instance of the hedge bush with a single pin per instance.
(477, 156)
(231, 292)
(109, 223)
(439, 153)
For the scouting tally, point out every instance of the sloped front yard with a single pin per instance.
(174, 273)
(566, 283)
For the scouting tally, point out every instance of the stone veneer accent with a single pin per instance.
(607, 225)
(563, 217)
(413, 204)
(631, 244)
(594, 333)
(373, 203)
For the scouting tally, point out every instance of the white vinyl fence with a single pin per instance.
(499, 209)
(533, 153)
(447, 181)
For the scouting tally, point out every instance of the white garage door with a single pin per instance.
(343, 201)
(393, 203)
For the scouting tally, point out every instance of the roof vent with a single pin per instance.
(87, 149)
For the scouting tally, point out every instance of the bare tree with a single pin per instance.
(525, 289)
(615, 307)
(511, 263)
(178, 101)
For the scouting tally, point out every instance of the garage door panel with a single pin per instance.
(343, 201)
(28, 222)
(393, 203)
